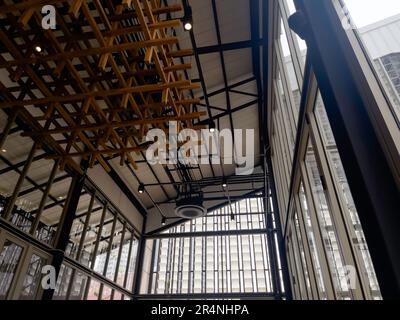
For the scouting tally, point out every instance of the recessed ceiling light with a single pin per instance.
(38, 49)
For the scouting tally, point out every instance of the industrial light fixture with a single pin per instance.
(224, 183)
(211, 126)
(141, 188)
(163, 221)
(187, 19)
(38, 49)
(188, 25)
(232, 217)
(3, 150)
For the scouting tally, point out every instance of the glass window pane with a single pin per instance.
(312, 242)
(94, 290)
(92, 231)
(114, 254)
(63, 280)
(78, 225)
(215, 264)
(32, 278)
(302, 252)
(9, 258)
(101, 255)
(351, 215)
(53, 208)
(328, 229)
(78, 286)
(289, 72)
(124, 258)
(106, 294)
(132, 263)
(117, 295)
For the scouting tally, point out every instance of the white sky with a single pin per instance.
(365, 12)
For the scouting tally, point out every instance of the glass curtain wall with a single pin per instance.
(216, 254)
(101, 254)
(327, 252)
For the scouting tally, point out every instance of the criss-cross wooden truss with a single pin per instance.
(109, 72)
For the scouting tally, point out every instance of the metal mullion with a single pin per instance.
(299, 264)
(341, 224)
(294, 48)
(290, 123)
(222, 253)
(322, 218)
(284, 157)
(248, 208)
(190, 287)
(241, 270)
(43, 201)
(168, 268)
(285, 151)
(180, 265)
(280, 193)
(334, 189)
(293, 270)
(288, 132)
(118, 259)
(215, 259)
(171, 245)
(280, 176)
(307, 250)
(265, 259)
(11, 201)
(237, 244)
(70, 284)
(128, 261)
(173, 264)
(319, 240)
(282, 161)
(110, 243)
(120, 252)
(204, 260)
(230, 254)
(293, 110)
(84, 231)
(96, 246)
(153, 265)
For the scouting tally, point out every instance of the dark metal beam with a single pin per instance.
(67, 220)
(227, 113)
(202, 296)
(230, 46)
(206, 234)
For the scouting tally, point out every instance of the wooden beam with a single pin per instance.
(120, 124)
(96, 152)
(184, 84)
(91, 51)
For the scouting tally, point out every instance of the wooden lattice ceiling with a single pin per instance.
(109, 72)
